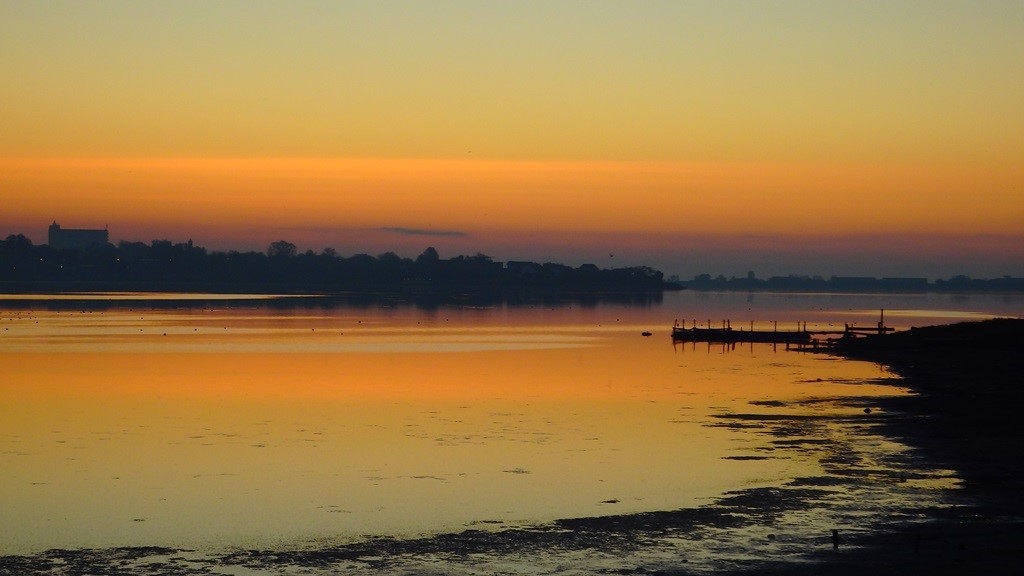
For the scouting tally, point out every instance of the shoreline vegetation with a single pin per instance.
(165, 266)
(798, 283)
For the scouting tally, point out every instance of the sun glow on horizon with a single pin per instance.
(475, 195)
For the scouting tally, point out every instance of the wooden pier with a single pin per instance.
(802, 336)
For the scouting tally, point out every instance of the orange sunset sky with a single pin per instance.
(805, 137)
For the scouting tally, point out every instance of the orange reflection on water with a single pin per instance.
(148, 443)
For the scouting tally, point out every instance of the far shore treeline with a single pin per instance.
(800, 283)
(163, 265)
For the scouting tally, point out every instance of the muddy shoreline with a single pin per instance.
(966, 415)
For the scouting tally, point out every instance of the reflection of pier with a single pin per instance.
(802, 336)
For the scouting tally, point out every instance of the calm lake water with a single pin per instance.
(207, 426)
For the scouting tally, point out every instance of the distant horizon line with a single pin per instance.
(704, 278)
(685, 254)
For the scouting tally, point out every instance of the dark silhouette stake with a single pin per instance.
(835, 539)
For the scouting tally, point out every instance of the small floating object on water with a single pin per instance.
(645, 333)
(867, 410)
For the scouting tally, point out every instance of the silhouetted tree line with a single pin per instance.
(852, 284)
(165, 266)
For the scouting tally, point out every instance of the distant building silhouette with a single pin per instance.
(70, 239)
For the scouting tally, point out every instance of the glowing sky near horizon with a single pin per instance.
(784, 137)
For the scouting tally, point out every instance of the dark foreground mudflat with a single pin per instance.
(969, 416)
(970, 377)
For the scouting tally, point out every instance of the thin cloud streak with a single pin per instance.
(423, 232)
